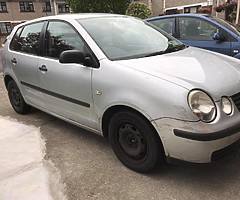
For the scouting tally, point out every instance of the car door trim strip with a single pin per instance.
(81, 103)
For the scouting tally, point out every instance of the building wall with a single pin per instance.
(173, 3)
(14, 13)
(14, 16)
(158, 5)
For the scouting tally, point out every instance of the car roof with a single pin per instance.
(74, 16)
(178, 15)
(81, 16)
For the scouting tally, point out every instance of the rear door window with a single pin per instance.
(29, 39)
(168, 25)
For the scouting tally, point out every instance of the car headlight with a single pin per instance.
(202, 105)
(226, 105)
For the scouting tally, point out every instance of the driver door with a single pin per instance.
(66, 87)
(199, 33)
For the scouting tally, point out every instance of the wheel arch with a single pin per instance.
(7, 79)
(110, 111)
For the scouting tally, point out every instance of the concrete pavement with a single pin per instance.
(0, 60)
(90, 170)
(24, 173)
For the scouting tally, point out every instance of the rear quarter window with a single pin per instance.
(15, 43)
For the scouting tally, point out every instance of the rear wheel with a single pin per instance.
(135, 142)
(16, 99)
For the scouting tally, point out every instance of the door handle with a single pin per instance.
(43, 68)
(14, 61)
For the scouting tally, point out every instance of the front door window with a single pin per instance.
(196, 29)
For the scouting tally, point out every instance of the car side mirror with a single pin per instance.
(218, 37)
(75, 56)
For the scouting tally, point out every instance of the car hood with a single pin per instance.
(191, 68)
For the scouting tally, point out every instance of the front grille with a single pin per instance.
(236, 100)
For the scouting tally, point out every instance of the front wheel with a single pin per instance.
(16, 98)
(135, 142)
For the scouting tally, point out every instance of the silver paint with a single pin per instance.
(157, 87)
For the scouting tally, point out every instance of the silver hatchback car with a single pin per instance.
(152, 97)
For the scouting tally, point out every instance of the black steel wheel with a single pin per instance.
(16, 99)
(135, 142)
(132, 141)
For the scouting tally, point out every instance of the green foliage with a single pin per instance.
(139, 10)
(230, 8)
(99, 6)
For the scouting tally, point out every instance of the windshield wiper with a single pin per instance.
(168, 50)
(175, 48)
(154, 53)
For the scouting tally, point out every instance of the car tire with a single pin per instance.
(16, 99)
(135, 142)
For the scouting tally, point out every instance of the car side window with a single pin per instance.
(227, 36)
(165, 24)
(15, 44)
(60, 37)
(196, 29)
(29, 40)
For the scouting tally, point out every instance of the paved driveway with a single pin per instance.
(90, 170)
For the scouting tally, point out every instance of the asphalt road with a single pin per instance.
(0, 60)
(90, 170)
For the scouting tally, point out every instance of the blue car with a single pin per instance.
(203, 31)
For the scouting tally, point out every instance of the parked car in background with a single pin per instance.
(203, 31)
(149, 94)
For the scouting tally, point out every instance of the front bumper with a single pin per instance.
(197, 142)
(208, 136)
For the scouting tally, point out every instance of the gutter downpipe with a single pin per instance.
(238, 10)
(164, 6)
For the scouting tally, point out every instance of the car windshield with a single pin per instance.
(127, 38)
(226, 25)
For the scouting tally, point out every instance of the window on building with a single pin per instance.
(3, 7)
(172, 11)
(47, 7)
(196, 29)
(193, 9)
(5, 28)
(61, 37)
(26, 6)
(63, 8)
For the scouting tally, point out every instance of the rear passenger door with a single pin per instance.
(66, 87)
(25, 49)
(199, 33)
